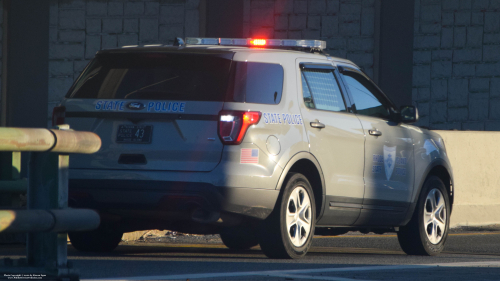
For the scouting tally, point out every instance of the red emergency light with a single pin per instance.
(258, 42)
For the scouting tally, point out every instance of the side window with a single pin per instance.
(367, 98)
(255, 82)
(321, 90)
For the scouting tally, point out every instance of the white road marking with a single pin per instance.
(296, 272)
(469, 264)
(312, 277)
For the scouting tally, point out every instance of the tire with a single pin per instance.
(287, 232)
(426, 233)
(102, 239)
(240, 239)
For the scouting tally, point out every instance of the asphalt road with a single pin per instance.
(471, 254)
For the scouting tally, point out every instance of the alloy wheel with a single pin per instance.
(298, 216)
(435, 216)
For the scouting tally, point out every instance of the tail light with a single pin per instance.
(233, 125)
(58, 115)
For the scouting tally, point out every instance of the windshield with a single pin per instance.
(155, 76)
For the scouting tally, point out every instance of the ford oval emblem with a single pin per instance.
(135, 105)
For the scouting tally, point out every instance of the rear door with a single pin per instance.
(153, 111)
(336, 140)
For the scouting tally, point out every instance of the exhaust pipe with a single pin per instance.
(204, 216)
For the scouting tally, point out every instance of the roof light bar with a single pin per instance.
(299, 43)
(202, 41)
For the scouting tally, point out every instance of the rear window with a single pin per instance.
(255, 82)
(179, 77)
(154, 76)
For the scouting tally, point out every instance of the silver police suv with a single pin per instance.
(264, 142)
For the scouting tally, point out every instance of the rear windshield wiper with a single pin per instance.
(151, 85)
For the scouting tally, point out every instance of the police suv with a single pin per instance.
(262, 141)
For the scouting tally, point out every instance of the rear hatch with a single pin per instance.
(153, 109)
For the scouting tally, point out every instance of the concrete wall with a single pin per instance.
(474, 158)
(79, 28)
(347, 26)
(456, 72)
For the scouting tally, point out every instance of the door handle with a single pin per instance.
(318, 125)
(376, 133)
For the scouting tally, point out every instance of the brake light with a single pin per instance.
(258, 42)
(58, 115)
(233, 125)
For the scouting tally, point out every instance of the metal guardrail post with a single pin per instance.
(47, 189)
(11, 184)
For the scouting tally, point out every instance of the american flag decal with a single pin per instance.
(249, 156)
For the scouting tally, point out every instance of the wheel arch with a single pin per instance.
(306, 164)
(441, 169)
(442, 172)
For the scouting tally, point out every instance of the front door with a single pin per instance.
(336, 139)
(388, 154)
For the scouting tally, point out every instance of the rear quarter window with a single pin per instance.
(255, 82)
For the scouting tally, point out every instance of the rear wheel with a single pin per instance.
(287, 233)
(239, 239)
(102, 239)
(427, 231)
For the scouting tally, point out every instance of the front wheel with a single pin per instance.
(427, 231)
(287, 233)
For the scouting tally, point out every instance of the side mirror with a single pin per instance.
(408, 114)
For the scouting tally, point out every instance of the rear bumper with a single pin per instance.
(244, 189)
(106, 195)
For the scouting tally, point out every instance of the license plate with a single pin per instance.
(134, 134)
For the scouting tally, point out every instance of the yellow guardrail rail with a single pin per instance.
(47, 217)
(44, 140)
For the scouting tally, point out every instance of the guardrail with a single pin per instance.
(47, 217)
